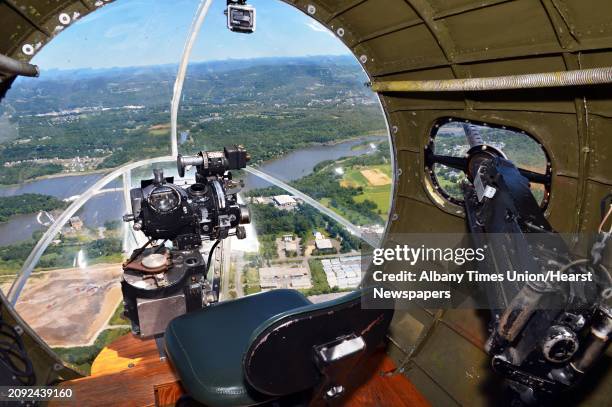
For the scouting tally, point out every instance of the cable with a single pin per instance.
(138, 252)
(161, 246)
(604, 220)
(13, 354)
(210, 254)
(572, 264)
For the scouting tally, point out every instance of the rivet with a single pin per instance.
(340, 32)
(394, 129)
(27, 49)
(64, 19)
(395, 217)
(311, 9)
(363, 59)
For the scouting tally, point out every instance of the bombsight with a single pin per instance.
(205, 210)
(160, 283)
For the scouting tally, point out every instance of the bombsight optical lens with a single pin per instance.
(164, 199)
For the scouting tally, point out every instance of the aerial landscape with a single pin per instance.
(314, 112)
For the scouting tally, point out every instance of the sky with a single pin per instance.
(151, 32)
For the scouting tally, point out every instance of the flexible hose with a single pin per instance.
(580, 77)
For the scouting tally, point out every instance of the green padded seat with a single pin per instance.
(206, 347)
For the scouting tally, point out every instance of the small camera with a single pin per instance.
(160, 283)
(240, 16)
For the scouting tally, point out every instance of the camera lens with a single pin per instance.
(164, 199)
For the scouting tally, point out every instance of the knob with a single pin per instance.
(560, 344)
(245, 214)
(182, 162)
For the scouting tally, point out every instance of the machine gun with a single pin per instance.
(544, 335)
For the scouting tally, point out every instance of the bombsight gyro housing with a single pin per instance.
(160, 283)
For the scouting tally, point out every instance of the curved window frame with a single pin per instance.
(430, 148)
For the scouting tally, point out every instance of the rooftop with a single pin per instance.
(324, 244)
(284, 200)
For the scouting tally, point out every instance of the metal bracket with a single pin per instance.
(334, 360)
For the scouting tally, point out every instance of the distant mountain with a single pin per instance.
(210, 66)
(266, 80)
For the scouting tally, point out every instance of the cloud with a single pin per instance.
(318, 27)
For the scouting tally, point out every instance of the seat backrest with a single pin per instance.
(281, 359)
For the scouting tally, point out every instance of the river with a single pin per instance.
(110, 206)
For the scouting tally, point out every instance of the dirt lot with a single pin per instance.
(68, 307)
(376, 177)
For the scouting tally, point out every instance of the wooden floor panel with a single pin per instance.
(129, 372)
(124, 374)
(382, 388)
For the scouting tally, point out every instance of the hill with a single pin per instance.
(113, 116)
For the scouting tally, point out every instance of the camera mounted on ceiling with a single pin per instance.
(241, 17)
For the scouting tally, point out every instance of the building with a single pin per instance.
(296, 276)
(343, 272)
(324, 245)
(291, 247)
(261, 200)
(285, 202)
(76, 223)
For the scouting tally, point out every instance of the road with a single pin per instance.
(238, 280)
(224, 256)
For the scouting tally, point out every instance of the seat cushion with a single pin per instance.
(206, 347)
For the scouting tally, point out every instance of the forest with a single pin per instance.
(28, 203)
(271, 222)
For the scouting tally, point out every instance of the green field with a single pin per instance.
(380, 195)
(159, 132)
(250, 279)
(118, 318)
